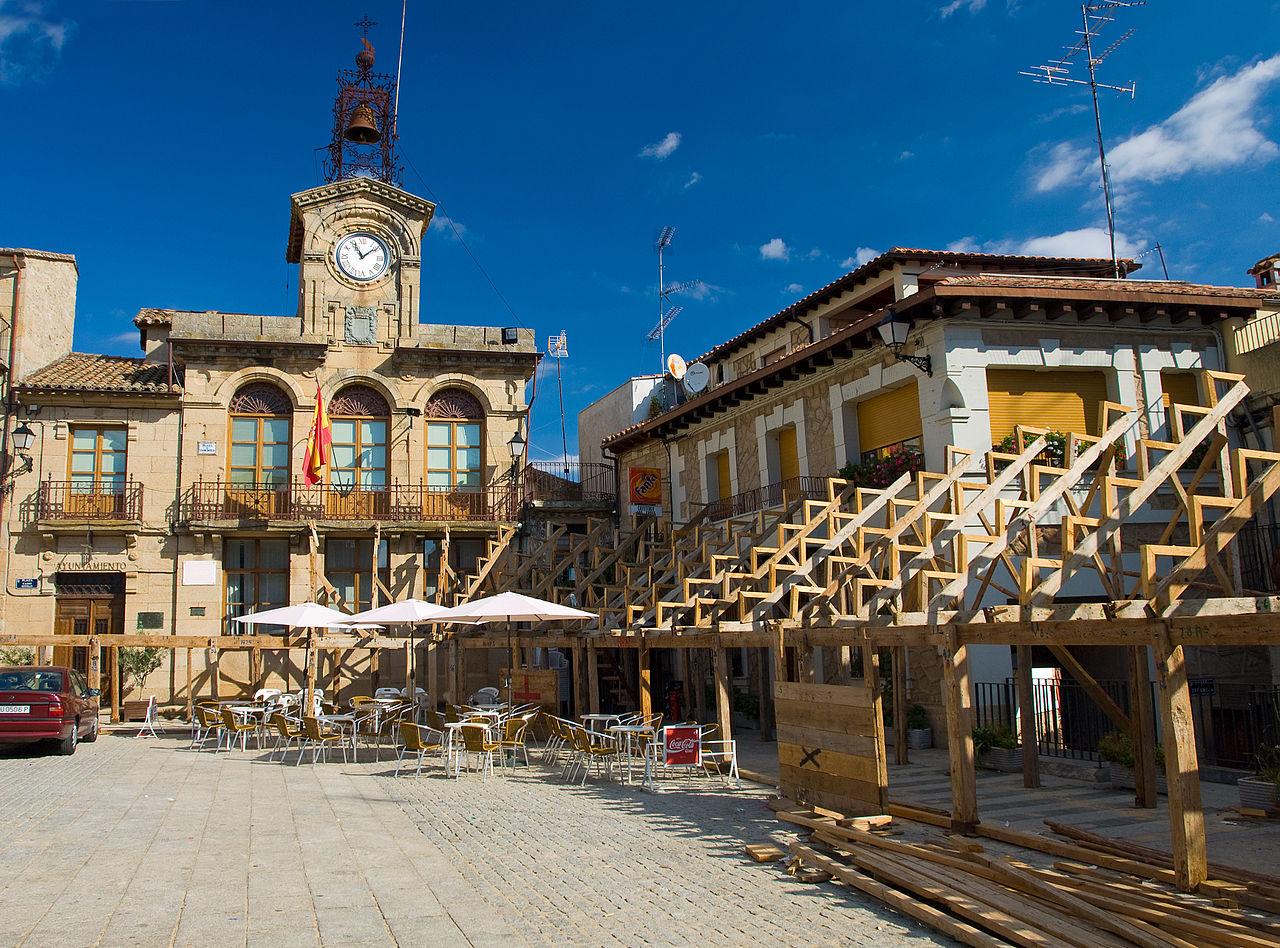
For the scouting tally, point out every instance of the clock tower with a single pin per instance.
(358, 239)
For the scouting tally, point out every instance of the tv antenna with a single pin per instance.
(666, 312)
(1094, 16)
(558, 349)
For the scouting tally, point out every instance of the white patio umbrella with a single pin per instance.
(408, 612)
(510, 607)
(307, 615)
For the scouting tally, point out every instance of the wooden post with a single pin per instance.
(955, 693)
(578, 655)
(95, 663)
(1027, 719)
(1186, 815)
(374, 669)
(766, 694)
(699, 685)
(593, 680)
(313, 669)
(191, 701)
(211, 665)
(724, 700)
(1144, 738)
(871, 680)
(646, 679)
(255, 668)
(410, 680)
(451, 672)
(432, 686)
(459, 672)
(899, 670)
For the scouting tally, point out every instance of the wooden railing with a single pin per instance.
(771, 495)
(298, 501)
(77, 500)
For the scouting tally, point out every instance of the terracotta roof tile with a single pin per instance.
(1169, 288)
(87, 372)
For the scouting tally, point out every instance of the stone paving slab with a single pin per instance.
(144, 842)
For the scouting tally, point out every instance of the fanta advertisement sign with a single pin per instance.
(645, 485)
(683, 746)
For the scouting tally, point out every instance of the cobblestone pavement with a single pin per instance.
(142, 842)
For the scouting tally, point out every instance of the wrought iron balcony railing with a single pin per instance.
(771, 495)
(81, 500)
(298, 501)
(558, 482)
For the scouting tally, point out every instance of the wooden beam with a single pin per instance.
(899, 664)
(1144, 759)
(875, 691)
(1092, 688)
(593, 680)
(724, 700)
(191, 701)
(1186, 812)
(958, 704)
(645, 680)
(1027, 719)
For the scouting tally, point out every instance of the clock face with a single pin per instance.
(362, 257)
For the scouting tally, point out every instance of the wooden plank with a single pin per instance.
(724, 698)
(1027, 719)
(807, 714)
(1144, 737)
(646, 681)
(821, 759)
(839, 695)
(763, 852)
(1186, 812)
(900, 753)
(864, 795)
(872, 685)
(899, 901)
(859, 745)
(957, 700)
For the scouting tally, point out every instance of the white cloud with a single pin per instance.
(1266, 218)
(125, 339)
(1217, 129)
(973, 6)
(792, 289)
(693, 179)
(1084, 242)
(661, 150)
(775, 249)
(30, 40)
(964, 245)
(815, 253)
(860, 256)
(449, 227)
(906, 156)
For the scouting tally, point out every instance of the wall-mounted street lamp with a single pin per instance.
(22, 438)
(516, 444)
(893, 330)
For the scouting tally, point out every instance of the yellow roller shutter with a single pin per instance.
(1057, 399)
(889, 418)
(1180, 388)
(788, 454)
(724, 483)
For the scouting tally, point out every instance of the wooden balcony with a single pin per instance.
(77, 501)
(296, 501)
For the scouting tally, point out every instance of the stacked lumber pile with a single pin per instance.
(1101, 893)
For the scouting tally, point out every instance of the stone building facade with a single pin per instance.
(166, 492)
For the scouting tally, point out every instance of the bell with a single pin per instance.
(363, 127)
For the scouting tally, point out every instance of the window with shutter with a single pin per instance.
(889, 422)
(1056, 399)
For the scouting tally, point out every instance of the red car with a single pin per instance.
(47, 703)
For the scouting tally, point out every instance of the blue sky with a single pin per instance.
(159, 141)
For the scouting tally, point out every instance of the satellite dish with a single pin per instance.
(676, 367)
(696, 378)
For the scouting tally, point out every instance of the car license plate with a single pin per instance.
(15, 709)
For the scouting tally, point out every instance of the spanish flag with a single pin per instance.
(319, 443)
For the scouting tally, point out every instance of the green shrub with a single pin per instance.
(1266, 764)
(1117, 748)
(17, 655)
(985, 738)
(746, 704)
(917, 718)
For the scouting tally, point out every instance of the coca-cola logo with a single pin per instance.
(682, 745)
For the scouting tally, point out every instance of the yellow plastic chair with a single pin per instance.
(475, 741)
(232, 726)
(319, 740)
(418, 740)
(286, 734)
(208, 725)
(434, 720)
(513, 732)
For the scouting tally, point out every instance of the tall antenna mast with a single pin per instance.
(395, 111)
(1093, 17)
(658, 333)
(558, 348)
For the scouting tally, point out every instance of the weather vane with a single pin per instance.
(364, 25)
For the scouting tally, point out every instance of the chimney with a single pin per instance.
(1266, 272)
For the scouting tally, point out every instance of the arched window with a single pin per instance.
(455, 445)
(261, 417)
(361, 419)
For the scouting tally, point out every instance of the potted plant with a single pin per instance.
(136, 664)
(1261, 790)
(1116, 751)
(919, 734)
(997, 748)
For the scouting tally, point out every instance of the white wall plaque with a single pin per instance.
(206, 447)
(200, 573)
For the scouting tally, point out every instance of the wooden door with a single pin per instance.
(90, 615)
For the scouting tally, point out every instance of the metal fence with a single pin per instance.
(1232, 721)
(298, 501)
(772, 495)
(585, 482)
(1259, 549)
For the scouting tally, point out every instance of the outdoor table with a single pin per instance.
(591, 720)
(628, 733)
(341, 722)
(451, 752)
